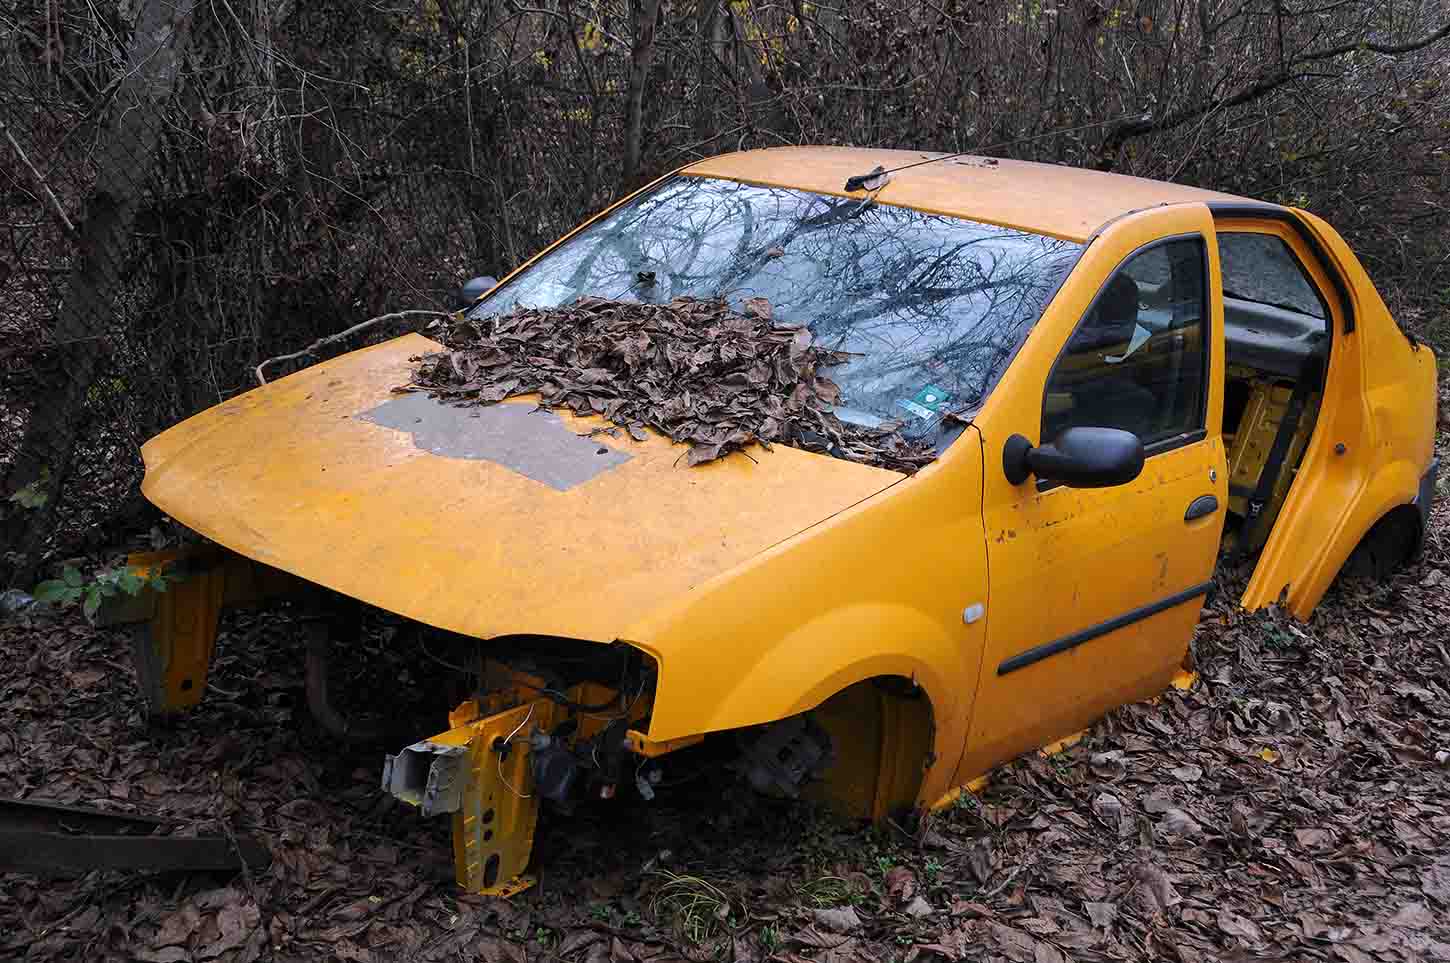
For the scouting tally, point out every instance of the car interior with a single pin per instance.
(1136, 361)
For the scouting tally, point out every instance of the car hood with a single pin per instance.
(480, 520)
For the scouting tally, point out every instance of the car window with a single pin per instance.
(931, 308)
(1262, 268)
(1137, 360)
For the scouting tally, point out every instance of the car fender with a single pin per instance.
(1393, 485)
(895, 585)
(831, 652)
(821, 657)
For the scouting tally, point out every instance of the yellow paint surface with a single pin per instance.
(289, 476)
(1066, 202)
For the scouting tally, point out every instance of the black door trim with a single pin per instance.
(1036, 654)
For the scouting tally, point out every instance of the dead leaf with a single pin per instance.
(167, 954)
(1108, 807)
(234, 922)
(1414, 915)
(1314, 837)
(961, 907)
(842, 919)
(955, 944)
(979, 859)
(1108, 765)
(732, 379)
(1235, 925)
(1156, 889)
(1045, 952)
(900, 883)
(759, 308)
(1016, 944)
(1180, 823)
(1102, 914)
(178, 926)
(918, 908)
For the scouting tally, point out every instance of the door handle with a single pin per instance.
(1200, 507)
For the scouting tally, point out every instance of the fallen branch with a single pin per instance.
(334, 338)
(39, 179)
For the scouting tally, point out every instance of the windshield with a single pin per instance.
(930, 307)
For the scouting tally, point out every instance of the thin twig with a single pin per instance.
(39, 179)
(334, 338)
(1004, 884)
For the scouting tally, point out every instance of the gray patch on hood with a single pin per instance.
(536, 444)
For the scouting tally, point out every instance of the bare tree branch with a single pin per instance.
(39, 179)
(339, 336)
(1118, 136)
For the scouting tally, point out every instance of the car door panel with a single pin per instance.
(1095, 592)
(1364, 457)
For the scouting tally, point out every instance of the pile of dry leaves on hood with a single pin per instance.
(695, 371)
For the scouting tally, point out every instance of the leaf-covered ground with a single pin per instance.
(1295, 804)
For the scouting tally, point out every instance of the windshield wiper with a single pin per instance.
(867, 182)
(872, 182)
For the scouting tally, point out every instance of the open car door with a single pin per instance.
(1366, 454)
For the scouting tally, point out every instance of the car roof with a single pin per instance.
(1065, 202)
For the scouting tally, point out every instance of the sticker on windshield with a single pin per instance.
(928, 402)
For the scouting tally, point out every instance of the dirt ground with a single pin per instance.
(1294, 805)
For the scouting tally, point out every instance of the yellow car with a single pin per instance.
(1123, 381)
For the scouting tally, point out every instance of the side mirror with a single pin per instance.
(1078, 458)
(475, 289)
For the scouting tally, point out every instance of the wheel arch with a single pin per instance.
(883, 733)
(1394, 538)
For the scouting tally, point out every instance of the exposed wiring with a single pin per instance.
(506, 742)
(527, 717)
(564, 700)
(521, 795)
(624, 713)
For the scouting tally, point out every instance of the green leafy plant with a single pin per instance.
(967, 802)
(72, 587)
(33, 495)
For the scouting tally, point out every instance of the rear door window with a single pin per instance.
(1261, 268)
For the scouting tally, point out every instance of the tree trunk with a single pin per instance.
(710, 39)
(646, 16)
(124, 156)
